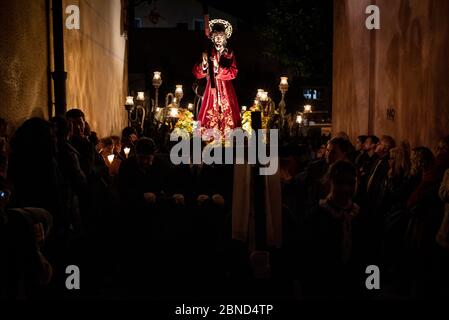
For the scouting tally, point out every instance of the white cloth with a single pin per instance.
(243, 207)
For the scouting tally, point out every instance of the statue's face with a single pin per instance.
(219, 39)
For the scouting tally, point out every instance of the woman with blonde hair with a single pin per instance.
(399, 185)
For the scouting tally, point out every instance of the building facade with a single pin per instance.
(95, 61)
(392, 80)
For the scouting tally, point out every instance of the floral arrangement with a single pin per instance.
(267, 120)
(185, 120)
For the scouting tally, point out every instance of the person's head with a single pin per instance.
(321, 152)
(219, 33)
(370, 143)
(60, 128)
(77, 122)
(399, 160)
(219, 39)
(343, 180)
(359, 142)
(342, 135)
(117, 144)
(107, 146)
(34, 138)
(422, 159)
(337, 149)
(383, 147)
(129, 135)
(145, 149)
(443, 146)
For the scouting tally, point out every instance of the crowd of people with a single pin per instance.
(138, 226)
(378, 202)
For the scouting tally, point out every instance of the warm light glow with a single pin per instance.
(156, 75)
(259, 92)
(174, 112)
(256, 102)
(126, 150)
(140, 96)
(157, 80)
(284, 80)
(190, 107)
(243, 108)
(178, 89)
(111, 158)
(299, 119)
(263, 96)
(129, 101)
(158, 109)
(307, 108)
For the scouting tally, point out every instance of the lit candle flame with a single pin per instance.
(111, 158)
(307, 108)
(129, 101)
(140, 96)
(190, 107)
(243, 108)
(127, 150)
(174, 112)
(299, 119)
(178, 89)
(284, 80)
(156, 75)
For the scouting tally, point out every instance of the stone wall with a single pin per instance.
(400, 70)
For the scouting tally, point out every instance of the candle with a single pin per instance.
(307, 108)
(127, 150)
(299, 119)
(156, 75)
(157, 81)
(140, 96)
(259, 92)
(174, 112)
(158, 109)
(243, 108)
(178, 89)
(264, 96)
(284, 80)
(190, 107)
(129, 101)
(111, 158)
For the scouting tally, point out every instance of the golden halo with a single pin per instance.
(226, 24)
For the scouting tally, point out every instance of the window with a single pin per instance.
(198, 24)
(138, 23)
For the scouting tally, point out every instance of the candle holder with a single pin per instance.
(283, 87)
(157, 82)
(132, 108)
(179, 94)
(129, 107)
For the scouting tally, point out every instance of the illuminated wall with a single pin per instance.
(95, 59)
(23, 60)
(401, 70)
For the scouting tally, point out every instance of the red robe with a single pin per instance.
(219, 108)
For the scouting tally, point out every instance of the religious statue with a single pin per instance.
(219, 109)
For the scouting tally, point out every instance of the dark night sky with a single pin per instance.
(297, 35)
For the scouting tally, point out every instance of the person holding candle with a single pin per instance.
(219, 109)
(129, 138)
